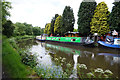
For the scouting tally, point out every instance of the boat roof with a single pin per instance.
(71, 32)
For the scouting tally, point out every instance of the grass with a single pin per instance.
(11, 61)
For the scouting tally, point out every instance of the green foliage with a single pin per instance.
(12, 61)
(58, 25)
(52, 23)
(47, 28)
(28, 29)
(19, 29)
(36, 31)
(99, 21)
(68, 20)
(8, 28)
(22, 29)
(114, 18)
(75, 30)
(85, 14)
(5, 10)
(42, 30)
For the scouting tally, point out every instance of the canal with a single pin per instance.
(60, 56)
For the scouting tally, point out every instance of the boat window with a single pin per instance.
(72, 39)
(59, 38)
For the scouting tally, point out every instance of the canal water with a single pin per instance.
(50, 54)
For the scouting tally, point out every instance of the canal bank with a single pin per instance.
(12, 66)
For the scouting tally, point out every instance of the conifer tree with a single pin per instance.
(58, 25)
(67, 20)
(52, 24)
(85, 14)
(99, 22)
(114, 18)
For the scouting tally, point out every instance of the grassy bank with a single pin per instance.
(11, 60)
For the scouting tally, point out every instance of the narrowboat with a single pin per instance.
(110, 42)
(72, 38)
(41, 37)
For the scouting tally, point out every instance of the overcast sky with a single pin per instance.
(40, 12)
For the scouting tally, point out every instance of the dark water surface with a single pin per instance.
(51, 54)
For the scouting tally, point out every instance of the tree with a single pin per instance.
(5, 10)
(8, 28)
(99, 21)
(58, 25)
(114, 18)
(67, 20)
(28, 29)
(36, 31)
(19, 29)
(47, 28)
(52, 23)
(85, 14)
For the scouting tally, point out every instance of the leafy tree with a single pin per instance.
(52, 23)
(85, 14)
(47, 28)
(28, 29)
(5, 10)
(36, 31)
(58, 25)
(19, 29)
(114, 18)
(99, 21)
(8, 28)
(68, 20)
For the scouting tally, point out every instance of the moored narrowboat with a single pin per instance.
(41, 37)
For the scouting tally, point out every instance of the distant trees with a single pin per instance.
(19, 29)
(36, 31)
(58, 25)
(26, 29)
(99, 21)
(85, 14)
(68, 20)
(114, 18)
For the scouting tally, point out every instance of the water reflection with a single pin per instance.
(91, 58)
(74, 74)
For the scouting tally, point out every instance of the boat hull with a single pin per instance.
(42, 40)
(108, 45)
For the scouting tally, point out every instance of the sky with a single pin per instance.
(40, 12)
